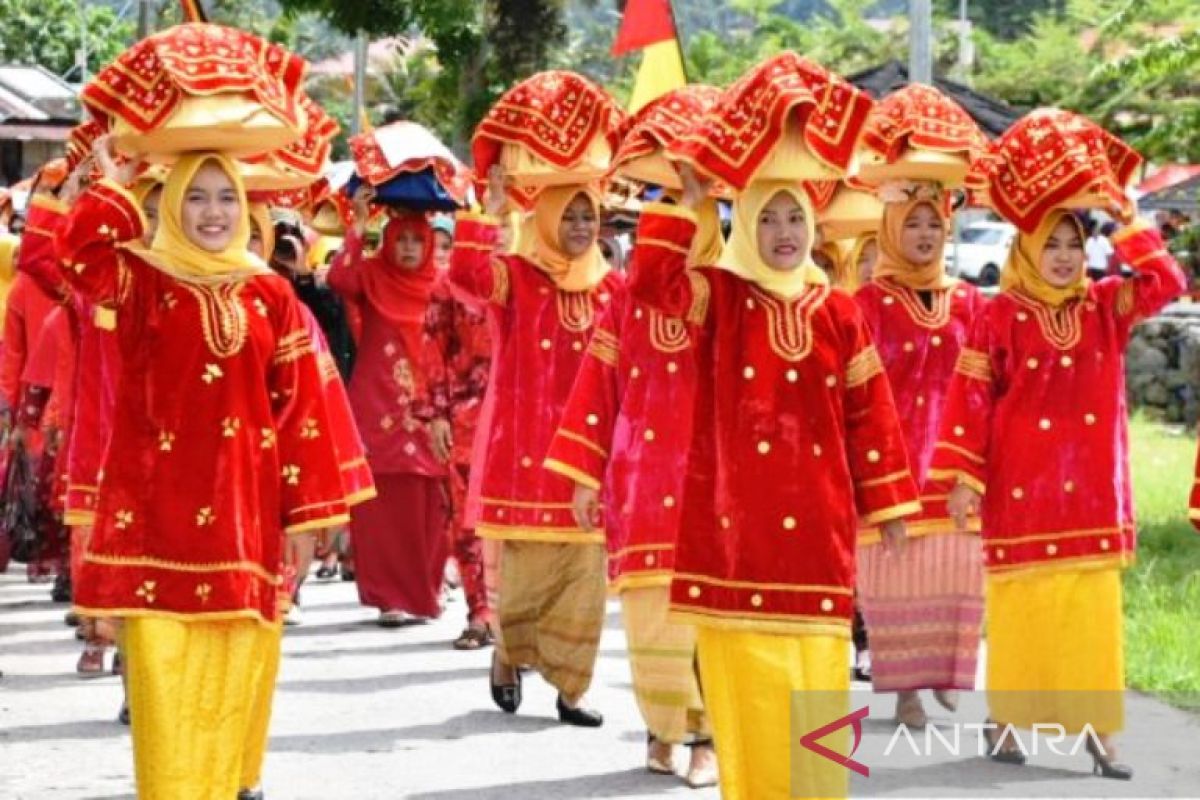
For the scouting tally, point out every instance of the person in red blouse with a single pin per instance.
(400, 542)
(795, 438)
(1044, 366)
(544, 302)
(223, 449)
(923, 610)
(624, 433)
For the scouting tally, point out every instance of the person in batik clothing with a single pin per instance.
(400, 542)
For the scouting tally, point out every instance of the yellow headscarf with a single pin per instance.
(740, 255)
(8, 271)
(538, 240)
(1023, 271)
(174, 253)
(260, 220)
(855, 255)
(891, 262)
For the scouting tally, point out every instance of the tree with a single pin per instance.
(49, 32)
(482, 48)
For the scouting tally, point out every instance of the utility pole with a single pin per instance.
(81, 55)
(360, 82)
(146, 16)
(966, 47)
(920, 42)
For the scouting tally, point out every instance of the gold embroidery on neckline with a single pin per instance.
(1061, 326)
(575, 310)
(789, 322)
(935, 317)
(222, 316)
(667, 334)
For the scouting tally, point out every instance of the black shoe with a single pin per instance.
(998, 755)
(123, 715)
(61, 593)
(1105, 768)
(250, 794)
(580, 717)
(326, 573)
(347, 575)
(506, 696)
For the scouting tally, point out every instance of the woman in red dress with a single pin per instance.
(923, 609)
(400, 541)
(222, 450)
(544, 303)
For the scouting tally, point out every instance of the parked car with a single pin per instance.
(980, 252)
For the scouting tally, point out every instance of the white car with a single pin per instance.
(980, 252)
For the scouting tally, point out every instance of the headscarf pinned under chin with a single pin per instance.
(1023, 271)
(175, 254)
(398, 293)
(8, 270)
(892, 263)
(740, 255)
(539, 240)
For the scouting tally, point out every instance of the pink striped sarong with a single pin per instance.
(924, 610)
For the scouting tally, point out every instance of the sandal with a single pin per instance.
(654, 763)
(474, 637)
(704, 774)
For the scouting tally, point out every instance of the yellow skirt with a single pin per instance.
(763, 692)
(1055, 651)
(200, 700)
(662, 659)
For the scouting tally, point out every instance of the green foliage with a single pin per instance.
(1162, 592)
(47, 32)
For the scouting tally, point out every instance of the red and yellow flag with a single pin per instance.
(649, 26)
(193, 11)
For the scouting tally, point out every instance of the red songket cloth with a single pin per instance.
(222, 436)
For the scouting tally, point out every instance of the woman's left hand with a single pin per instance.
(441, 436)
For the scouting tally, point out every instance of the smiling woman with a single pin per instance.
(211, 208)
(218, 452)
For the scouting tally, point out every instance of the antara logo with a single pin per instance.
(854, 719)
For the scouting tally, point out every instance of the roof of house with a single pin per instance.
(30, 93)
(992, 115)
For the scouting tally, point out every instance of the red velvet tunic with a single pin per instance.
(221, 440)
(795, 438)
(1036, 417)
(919, 347)
(28, 306)
(540, 337)
(99, 365)
(357, 483)
(627, 428)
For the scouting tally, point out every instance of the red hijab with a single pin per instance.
(400, 294)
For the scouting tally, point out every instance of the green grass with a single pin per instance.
(1162, 592)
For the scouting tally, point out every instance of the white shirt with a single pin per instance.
(1098, 249)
